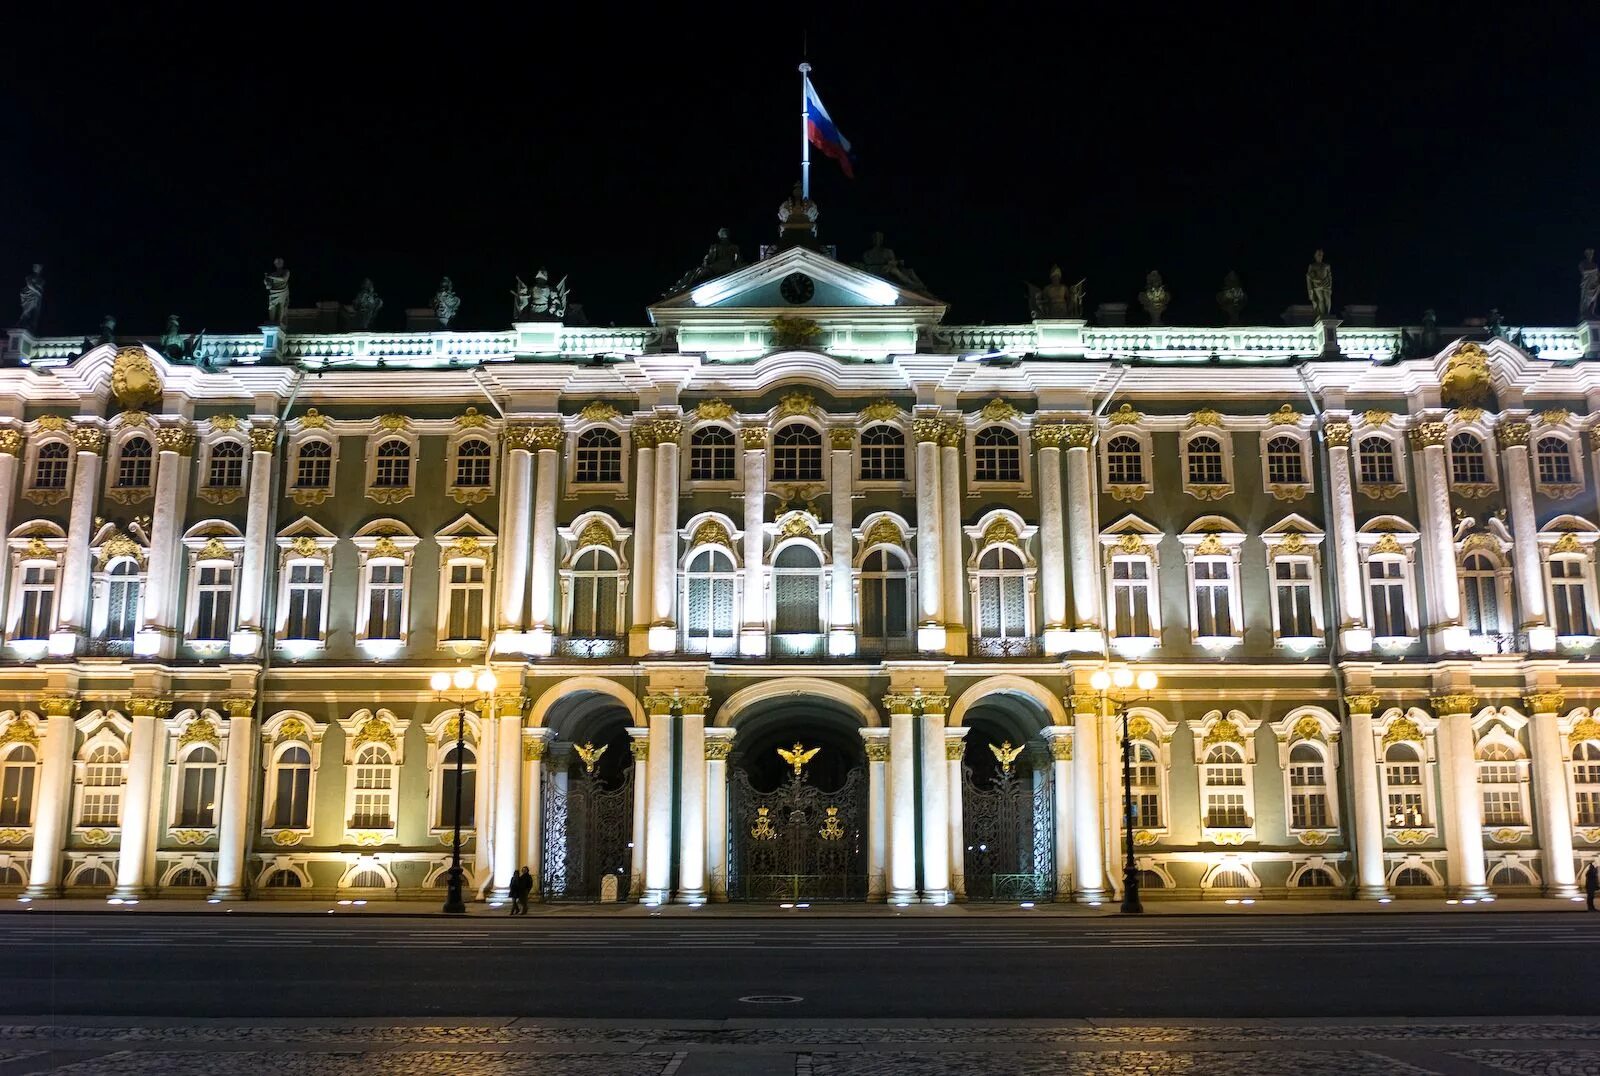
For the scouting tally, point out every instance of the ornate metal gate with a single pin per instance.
(798, 842)
(1009, 828)
(588, 832)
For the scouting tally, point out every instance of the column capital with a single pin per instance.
(1084, 702)
(1513, 434)
(667, 430)
(955, 744)
(719, 744)
(89, 439)
(695, 703)
(1059, 739)
(10, 442)
(639, 744)
(1545, 702)
(925, 430)
(1430, 434)
(546, 438)
(149, 706)
(263, 435)
(1078, 434)
(842, 438)
(1336, 433)
(534, 743)
(1050, 436)
(1444, 705)
(240, 706)
(1361, 703)
(519, 437)
(509, 703)
(176, 437)
(877, 744)
(952, 435)
(59, 705)
(657, 704)
(754, 438)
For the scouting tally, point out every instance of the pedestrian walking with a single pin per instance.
(1591, 884)
(521, 886)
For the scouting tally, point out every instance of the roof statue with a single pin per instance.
(33, 297)
(544, 302)
(1319, 285)
(722, 257)
(1231, 298)
(446, 302)
(173, 344)
(365, 305)
(276, 281)
(1588, 286)
(1055, 299)
(1155, 297)
(106, 335)
(519, 301)
(797, 217)
(879, 260)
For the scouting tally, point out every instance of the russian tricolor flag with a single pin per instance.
(824, 135)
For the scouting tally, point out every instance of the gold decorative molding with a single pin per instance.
(510, 703)
(1211, 546)
(880, 411)
(13, 836)
(1505, 835)
(96, 836)
(754, 438)
(598, 411)
(1133, 545)
(1466, 415)
(1544, 702)
(1337, 434)
(374, 730)
(796, 403)
(712, 532)
(1382, 491)
(307, 497)
(884, 531)
(1587, 728)
(1562, 491)
(998, 410)
(36, 549)
(313, 420)
(1284, 416)
(386, 548)
(1429, 434)
(644, 435)
(192, 836)
(287, 838)
(789, 331)
(1287, 543)
(304, 545)
(1378, 418)
(1206, 416)
(1002, 530)
(220, 495)
(1513, 434)
(53, 424)
(1556, 416)
(1128, 492)
(134, 380)
(1315, 838)
(19, 731)
(1224, 731)
(148, 706)
(842, 439)
(693, 702)
(472, 419)
(1402, 730)
(719, 749)
(200, 731)
(1388, 543)
(596, 533)
(59, 705)
(1361, 704)
(1409, 836)
(546, 438)
(1590, 835)
(1125, 416)
(797, 526)
(179, 439)
(1227, 836)
(292, 728)
(925, 430)
(1307, 728)
(1466, 380)
(1140, 728)
(714, 410)
(1050, 436)
(466, 547)
(899, 703)
(1209, 492)
(1144, 838)
(1289, 491)
(1567, 543)
(393, 422)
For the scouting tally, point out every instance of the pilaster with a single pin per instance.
(72, 617)
(1371, 880)
(234, 818)
(1552, 809)
(1462, 802)
(540, 638)
(55, 795)
(145, 754)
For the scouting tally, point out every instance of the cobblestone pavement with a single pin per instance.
(1566, 1047)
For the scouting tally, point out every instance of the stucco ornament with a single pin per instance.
(134, 380)
(1466, 381)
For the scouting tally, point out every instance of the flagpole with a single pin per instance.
(805, 131)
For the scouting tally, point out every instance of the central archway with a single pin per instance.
(588, 809)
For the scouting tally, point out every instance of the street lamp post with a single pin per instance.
(466, 689)
(1114, 686)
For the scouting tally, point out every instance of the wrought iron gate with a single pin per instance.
(798, 842)
(588, 834)
(1009, 832)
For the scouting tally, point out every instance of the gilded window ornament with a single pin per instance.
(1289, 491)
(52, 424)
(1001, 531)
(36, 549)
(306, 546)
(1206, 416)
(1480, 541)
(1224, 731)
(120, 545)
(213, 550)
(1144, 837)
(1125, 416)
(596, 533)
(1466, 378)
(797, 526)
(467, 547)
(1586, 729)
(95, 836)
(1402, 730)
(1387, 543)
(1290, 542)
(754, 438)
(1382, 491)
(1545, 702)
(796, 403)
(880, 411)
(200, 731)
(1513, 434)
(998, 410)
(1133, 545)
(1410, 836)
(884, 531)
(134, 418)
(13, 836)
(192, 836)
(717, 410)
(1378, 418)
(842, 440)
(1505, 835)
(374, 730)
(393, 422)
(712, 532)
(1284, 416)
(19, 731)
(1361, 704)
(1313, 837)
(225, 423)
(1567, 543)
(292, 728)
(1140, 728)
(1556, 416)
(1307, 728)
(1127, 493)
(471, 419)
(313, 420)
(134, 380)
(598, 411)
(1337, 434)
(1467, 415)
(386, 547)
(1211, 546)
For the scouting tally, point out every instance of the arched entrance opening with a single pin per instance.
(797, 804)
(1007, 802)
(588, 807)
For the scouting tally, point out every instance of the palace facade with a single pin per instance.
(796, 594)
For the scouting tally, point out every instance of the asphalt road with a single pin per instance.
(1498, 964)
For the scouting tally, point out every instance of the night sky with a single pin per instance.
(158, 158)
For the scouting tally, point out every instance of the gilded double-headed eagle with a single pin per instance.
(590, 754)
(797, 756)
(1006, 754)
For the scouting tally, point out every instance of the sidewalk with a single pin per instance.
(1156, 909)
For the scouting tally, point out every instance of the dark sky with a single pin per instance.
(158, 157)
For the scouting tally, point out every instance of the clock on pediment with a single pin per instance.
(797, 288)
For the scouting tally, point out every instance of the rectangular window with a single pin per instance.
(305, 602)
(1130, 589)
(1569, 597)
(38, 602)
(1308, 810)
(16, 793)
(386, 592)
(1588, 808)
(214, 584)
(1291, 579)
(1502, 807)
(1213, 590)
(292, 805)
(100, 807)
(1225, 810)
(198, 797)
(466, 597)
(1386, 580)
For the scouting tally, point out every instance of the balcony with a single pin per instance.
(1026, 646)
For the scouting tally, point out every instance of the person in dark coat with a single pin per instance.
(1591, 884)
(521, 886)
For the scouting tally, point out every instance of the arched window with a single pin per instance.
(393, 469)
(213, 581)
(1500, 781)
(1480, 592)
(1002, 582)
(38, 602)
(373, 807)
(102, 788)
(1205, 461)
(1586, 784)
(797, 591)
(1230, 878)
(709, 587)
(1510, 874)
(1402, 779)
(885, 600)
(1124, 461)
(291, 788)
(1413, 876)
(96, 877)
(1469, 465)
(133, 463)
(1224, 788)
(599, 456)
(447, 787)
(1569, 596)
(50, 467)
(369, 878)
(197, 789)
(883, 454)
(596, 584)
(473, 457)
(1145, 786)
(227, 465)
(313, 468)
(1308, 787)
(711, 454)
(1151, 880)
(797, 454)
(17, 775)
(1554, 458)
(997, 455)
(1377, 462)
(123, 587)
(1285, 462)
(187, 878)
(283, 879)
(1314, 878)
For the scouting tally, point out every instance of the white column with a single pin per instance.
(663, 623)
(935, 801)
(158, 632)
(507, 793)
(951, 562)
(247, 635)
(542, 570)
(55, 797)
(145, 754)
(1060, 740)
(658, 803)
(1087, 830)
(531, 751)
(640, 746)
(10, 446)
(233, 821)
(641, 589)
(1367, 799)
(877, 748)
(957, 840)
(1550, 794)
(511, 554)
(1462, 800)
(930, 532)
(1346, 563)
(692, 830)
(1082, 531)
(901, 876)
(753, 621)
(1438, 539)
(72, 617)
(719, 744)
(1052, 539)
(1532, 616)
(841, 604)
